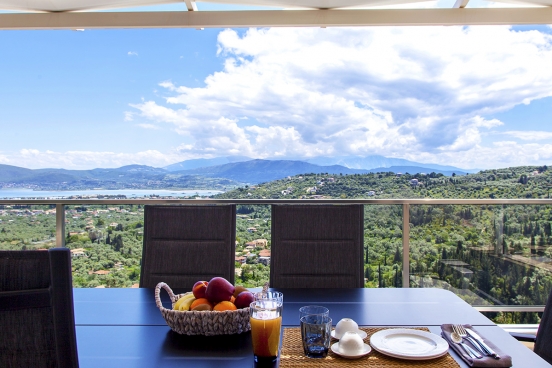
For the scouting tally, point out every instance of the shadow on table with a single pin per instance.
(205, 351)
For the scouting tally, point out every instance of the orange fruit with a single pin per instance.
(198, 302)
(203, 307)
(232, 299)
(223, 306)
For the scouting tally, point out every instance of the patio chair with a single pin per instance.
(185, 244)
(543, 339)
(317, 246)
(37, 322)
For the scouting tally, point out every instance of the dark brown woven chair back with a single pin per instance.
(185, 244)
(37, 322)
(543, 343)
(317, 246)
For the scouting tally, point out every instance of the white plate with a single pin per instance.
(360, 333)
(409, 344)
(335, 349)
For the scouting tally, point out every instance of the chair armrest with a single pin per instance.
(523, 337)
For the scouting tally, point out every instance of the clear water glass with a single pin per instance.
(313, 309)
(316, 333)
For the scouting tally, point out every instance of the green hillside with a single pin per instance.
(487, 254)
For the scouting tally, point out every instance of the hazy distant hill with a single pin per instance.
(258, 171)
(215, 177)
(351, 162)
(205, 162)
(378, 162)
(131, 176)
(11, 173)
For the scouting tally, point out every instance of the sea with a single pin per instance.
(15, 193)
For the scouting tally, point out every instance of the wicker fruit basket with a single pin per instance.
(206, 323)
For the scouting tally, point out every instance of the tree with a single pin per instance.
(117, 242)
(397, 258)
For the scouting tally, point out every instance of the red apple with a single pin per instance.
(244, 299)
(199, 289)
(219, 290)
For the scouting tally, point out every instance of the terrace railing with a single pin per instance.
(406, 204)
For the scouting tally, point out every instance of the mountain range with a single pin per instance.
(351, 162)
(218, 172)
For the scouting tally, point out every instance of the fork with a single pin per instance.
(461, 331)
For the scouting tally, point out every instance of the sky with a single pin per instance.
(473, 97)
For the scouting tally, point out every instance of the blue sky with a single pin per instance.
(473, 97)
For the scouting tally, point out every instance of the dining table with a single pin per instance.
(118, 327)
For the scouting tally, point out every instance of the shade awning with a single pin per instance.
(91, 5)
(77, 14)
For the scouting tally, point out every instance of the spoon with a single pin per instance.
(458, 340)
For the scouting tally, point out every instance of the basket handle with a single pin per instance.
(158, 290)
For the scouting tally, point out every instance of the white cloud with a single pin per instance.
(129, 116)
(398, 91)
(530, 135)
(132, 53)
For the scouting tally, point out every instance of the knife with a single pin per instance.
(480, 341)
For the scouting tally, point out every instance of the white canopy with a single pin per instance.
(72, 14)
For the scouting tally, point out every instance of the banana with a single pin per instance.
(185, 305)
(182, 300)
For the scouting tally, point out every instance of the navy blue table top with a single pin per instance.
(124, 328)
(369, 307)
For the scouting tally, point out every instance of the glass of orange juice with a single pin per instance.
(266, 323)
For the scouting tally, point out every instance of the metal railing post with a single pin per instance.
(406, 245)
(60, 225)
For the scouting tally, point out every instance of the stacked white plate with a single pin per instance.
(409, 344)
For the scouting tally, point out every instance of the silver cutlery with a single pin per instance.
(458, 340)
(480, 341)
(461, 331)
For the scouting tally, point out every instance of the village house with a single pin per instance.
(311, 190)
(264, 253)
(261, 243)
(78, 252)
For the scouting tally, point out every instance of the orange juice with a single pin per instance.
(265, 334)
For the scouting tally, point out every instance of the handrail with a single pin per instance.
(405, 202)
(411, 201)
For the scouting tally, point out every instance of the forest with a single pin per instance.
(487, 254)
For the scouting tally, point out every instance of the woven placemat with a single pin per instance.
(292, 355)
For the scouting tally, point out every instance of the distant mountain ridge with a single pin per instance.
(234, 170)
(350, 162)
(258, 171)
(378, 162)
(205, 162)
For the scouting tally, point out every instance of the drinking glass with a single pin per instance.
(266, 322)
(315, 333)
(313, 309)
(264, 295)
